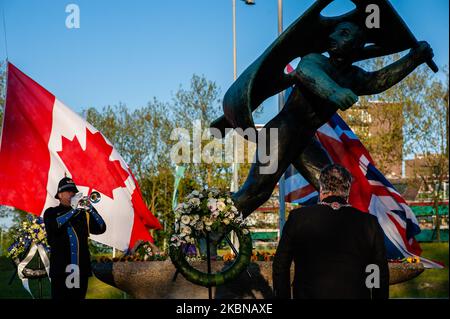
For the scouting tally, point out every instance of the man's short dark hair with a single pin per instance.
(335, 179)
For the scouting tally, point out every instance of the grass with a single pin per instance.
(99, 290)
(433, 283)
(15, 290)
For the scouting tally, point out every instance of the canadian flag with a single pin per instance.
(43, 141)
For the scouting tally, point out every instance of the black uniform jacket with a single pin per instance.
(67, 234)
(331, 250)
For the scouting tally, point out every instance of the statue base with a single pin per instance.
(155, 279)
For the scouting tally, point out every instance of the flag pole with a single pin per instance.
(4, 33)
(179, 174)
(1, 241)
(4, 103)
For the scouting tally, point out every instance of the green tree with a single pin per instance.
(378, 120)
(427, 137)
(201, 103)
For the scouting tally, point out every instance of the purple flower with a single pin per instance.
(190, 250)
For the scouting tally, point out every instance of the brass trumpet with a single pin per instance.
(87, 201)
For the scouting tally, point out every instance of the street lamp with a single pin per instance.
(234, 187)
(235, 166)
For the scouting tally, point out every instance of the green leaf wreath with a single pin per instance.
(200, 215)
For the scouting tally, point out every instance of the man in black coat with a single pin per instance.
(338, 251)
(68, 230)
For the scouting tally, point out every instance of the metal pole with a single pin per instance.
(208, 262)
(281, 184)
(235, 178)
(40, 279)
(234, 166)
(280, 17)
(445, 191)
(234, 41)
(1, 241)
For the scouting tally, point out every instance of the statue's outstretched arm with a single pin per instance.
(381, 80)
(311, 74)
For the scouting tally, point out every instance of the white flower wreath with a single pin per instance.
(202, 212)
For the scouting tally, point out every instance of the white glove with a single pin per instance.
(74, 200)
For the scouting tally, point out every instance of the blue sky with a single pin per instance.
(131, 51)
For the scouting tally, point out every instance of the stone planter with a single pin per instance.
(399, 272)
(154, 279)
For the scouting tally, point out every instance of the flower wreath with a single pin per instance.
(31, 231)
(202, 214)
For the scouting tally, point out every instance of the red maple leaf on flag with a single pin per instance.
(92, 167)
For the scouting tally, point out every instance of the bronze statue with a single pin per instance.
(322, 85)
